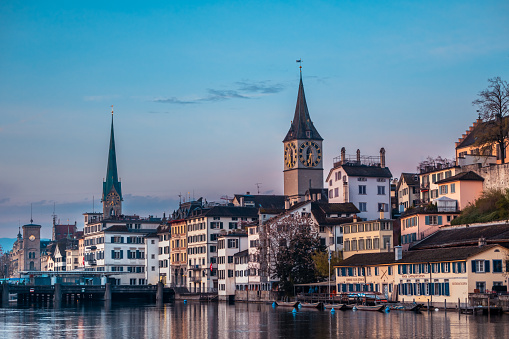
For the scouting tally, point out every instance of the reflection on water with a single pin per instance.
(253, 321)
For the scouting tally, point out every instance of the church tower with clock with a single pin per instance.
(112, 192)
(303, 164)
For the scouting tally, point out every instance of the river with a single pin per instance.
(221, 320)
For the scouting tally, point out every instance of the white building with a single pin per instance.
(363, 181)
(118, 245)
(227, 246)
(163, 254)
(203, 228)
(152, 258)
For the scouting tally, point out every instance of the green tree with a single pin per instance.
(493, 108)
(321, 260)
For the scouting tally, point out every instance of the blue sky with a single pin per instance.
(204, 91)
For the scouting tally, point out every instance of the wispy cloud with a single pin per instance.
(243, 90)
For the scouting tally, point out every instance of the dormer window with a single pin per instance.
(308, 134)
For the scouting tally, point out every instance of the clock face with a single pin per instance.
(290, 155)
(112, 199)
(32, 237)
(310, 154)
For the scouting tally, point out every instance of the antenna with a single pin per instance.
(300, 65)
(180, 198)
(54, 215)
(31, 219)
(111, 110)
(258, 184)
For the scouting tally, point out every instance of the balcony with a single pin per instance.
(194, 267)
(92, 262)
(92, 248)
(195, 279)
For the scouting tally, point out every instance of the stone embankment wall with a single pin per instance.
(495, 176)
(255, 296)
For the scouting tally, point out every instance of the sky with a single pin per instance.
(204, 93)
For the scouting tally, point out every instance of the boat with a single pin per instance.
(405, 307)
(287, 303)
(312, 305)
(336, 306)
(375, 308)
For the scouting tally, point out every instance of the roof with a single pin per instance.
(461, 236)
(422, 256)
(111, 172)
(243, 253)
(302, 121)
(230, 211)
(471, 136)
(367, 171)
(322, 211)
(267, 201)
(464, 176)
(411, 179)
(271, 210)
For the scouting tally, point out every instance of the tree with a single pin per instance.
(493, 108)
(287, 244)
(321, 260)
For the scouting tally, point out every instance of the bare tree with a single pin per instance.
(493, 108)
(287, 244)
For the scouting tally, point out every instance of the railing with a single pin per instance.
(195, 267)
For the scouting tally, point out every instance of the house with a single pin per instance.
(228, 245)
(440, 275)
(364, 181)
(408, 191)
(419, 222)
(467, 153)
(178, 250)
(463, 188)
(429, 174)
(373, 236)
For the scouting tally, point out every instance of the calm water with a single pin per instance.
(220, 320)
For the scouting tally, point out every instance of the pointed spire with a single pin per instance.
(111, 172)
(302, 127)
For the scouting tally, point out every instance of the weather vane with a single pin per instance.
(300, 64)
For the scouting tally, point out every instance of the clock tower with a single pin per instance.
(112, 192)
(303, 157)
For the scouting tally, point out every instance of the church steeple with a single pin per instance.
(112, 191)
(303, 165)
(302, 127)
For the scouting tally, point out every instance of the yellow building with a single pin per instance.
(439, 275)
(178, 250)
(372, 236)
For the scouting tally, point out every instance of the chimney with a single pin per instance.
(382, 157)
(398, 252)
(482, 242)
(343, 155)
(358, 157)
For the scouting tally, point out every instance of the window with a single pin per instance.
(233, 243)
(481, 286)
(383, 207)
(497, 266)
(336, 192)
(453, 188)
(232, 225)
(362, 179)
(362, 206)
(381, 190)
(362, 189)
(443, 189)
(331, 194)
(478, 266)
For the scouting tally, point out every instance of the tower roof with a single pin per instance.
(301, 121)
(111, 172)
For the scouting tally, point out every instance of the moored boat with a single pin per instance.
(375, 308)
(287, 303)
(312, 305)
(405, 307)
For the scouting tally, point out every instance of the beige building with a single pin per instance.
(408, 191)
(373, 236)
(439, 275)
(178, 249)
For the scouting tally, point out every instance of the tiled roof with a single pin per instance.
(461, 236)
(230, 211)
(243, 253)
(421, 256)
(367, 171)
(464, 176)
(267, 201)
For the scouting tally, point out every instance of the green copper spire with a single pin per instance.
(111, 173)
